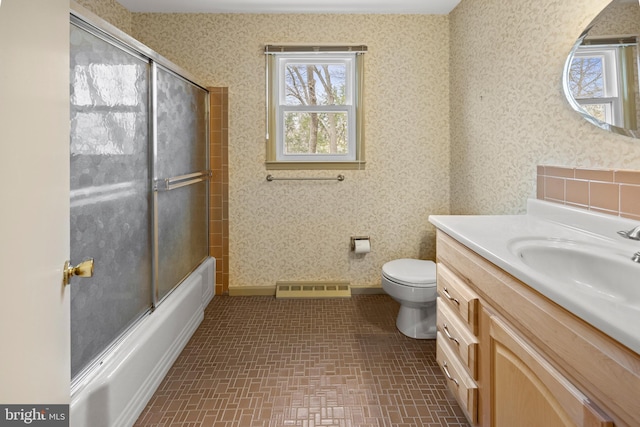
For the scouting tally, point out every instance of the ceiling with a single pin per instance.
(439, 7)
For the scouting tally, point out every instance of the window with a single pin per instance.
(314, 104)
(602, 83)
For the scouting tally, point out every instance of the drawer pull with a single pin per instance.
(449, 297)
(446, 372)
(446, 332)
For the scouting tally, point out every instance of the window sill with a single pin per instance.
(315, 166)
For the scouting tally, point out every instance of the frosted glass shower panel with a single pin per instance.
(181, 145)
(110, 192)
(182, 126)
(182, 234)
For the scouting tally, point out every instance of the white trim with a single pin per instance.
(611, 78)
(349, 108)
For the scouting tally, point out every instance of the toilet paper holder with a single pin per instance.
(354, 238)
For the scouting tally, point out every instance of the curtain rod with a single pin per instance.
(272, 49)
(609, 40)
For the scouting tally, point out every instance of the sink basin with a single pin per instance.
(595, 269)
(571, 256)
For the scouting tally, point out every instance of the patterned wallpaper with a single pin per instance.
(111, 11)
(618, 19)
(509, 113)
(287, 230)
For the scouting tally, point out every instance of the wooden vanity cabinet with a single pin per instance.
(460, 383)
(527, 391)
(463, 343)
(457, 348)
(534, 364)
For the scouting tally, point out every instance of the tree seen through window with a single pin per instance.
(317, 131)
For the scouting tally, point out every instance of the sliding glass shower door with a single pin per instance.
(110, 192)
(180, 177)
(139, 187)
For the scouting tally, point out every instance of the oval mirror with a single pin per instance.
(601, 73)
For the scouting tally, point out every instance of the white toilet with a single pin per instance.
(412, 283)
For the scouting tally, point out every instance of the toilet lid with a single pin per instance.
(412, 272)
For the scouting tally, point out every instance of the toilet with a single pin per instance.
(412, 283)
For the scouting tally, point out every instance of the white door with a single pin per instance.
(34, 201)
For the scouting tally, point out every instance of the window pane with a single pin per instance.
(315, 84)
(586, 78)
(599, 111)
(315, 133)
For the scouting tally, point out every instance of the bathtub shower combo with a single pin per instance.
(139, 208)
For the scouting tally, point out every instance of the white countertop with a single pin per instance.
(491, 236)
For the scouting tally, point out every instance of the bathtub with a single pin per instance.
(115, 393)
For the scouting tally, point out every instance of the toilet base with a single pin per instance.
(418, 323)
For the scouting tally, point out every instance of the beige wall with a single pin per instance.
(34, 218)
(508, 114)
(301, 230)
(111, 11)
(508, 110)
(619, 19)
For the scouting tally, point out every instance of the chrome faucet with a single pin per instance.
(633, 234)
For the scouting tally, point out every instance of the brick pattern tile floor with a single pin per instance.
(263, 362)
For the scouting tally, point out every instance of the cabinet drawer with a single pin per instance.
(462, 341)
(458, 296)
(460, 383)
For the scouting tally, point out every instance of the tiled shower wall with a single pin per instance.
(219, 188)
(609, 191)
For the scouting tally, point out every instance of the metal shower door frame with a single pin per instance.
(99, 28)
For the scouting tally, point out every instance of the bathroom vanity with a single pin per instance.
(518, 351)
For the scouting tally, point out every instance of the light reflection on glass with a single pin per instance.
(103, 133)
(105, 84)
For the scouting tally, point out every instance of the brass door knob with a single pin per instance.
(84, 269)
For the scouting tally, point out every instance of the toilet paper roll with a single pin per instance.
(362, 246)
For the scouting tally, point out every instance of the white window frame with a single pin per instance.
(611, 100)
(277, 157)
(348, 107)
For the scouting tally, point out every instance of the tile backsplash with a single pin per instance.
(609, 191)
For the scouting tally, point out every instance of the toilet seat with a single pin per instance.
(411, 272)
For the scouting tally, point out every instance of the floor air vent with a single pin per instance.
(313, 290)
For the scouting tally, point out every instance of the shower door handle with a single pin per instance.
(84, 269)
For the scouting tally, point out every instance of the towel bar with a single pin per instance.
(273, 178)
